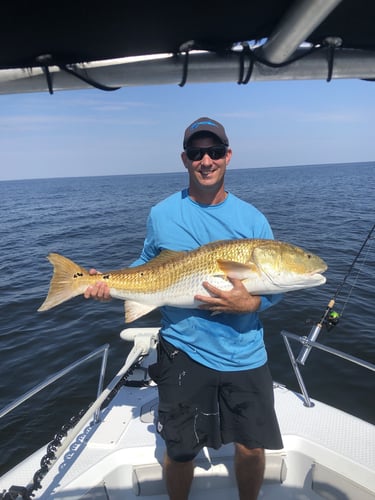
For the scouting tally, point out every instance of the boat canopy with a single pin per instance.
(76, 44)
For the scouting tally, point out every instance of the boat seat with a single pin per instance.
(148, 479)
(330, 485)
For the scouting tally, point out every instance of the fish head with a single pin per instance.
(288, 266)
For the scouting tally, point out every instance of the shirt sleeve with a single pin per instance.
(269, 301)
(150, 247)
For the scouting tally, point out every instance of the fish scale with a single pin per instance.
(161, 274)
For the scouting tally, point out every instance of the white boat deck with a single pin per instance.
(327, 454)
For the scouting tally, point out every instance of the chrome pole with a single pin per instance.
(51, 379)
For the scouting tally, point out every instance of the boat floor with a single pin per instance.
(327, 454)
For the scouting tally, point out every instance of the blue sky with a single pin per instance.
(139, 130)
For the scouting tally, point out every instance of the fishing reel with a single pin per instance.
(332, 319)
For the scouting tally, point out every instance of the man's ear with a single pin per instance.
(184, 159)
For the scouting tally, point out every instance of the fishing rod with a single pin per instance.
(330, 317)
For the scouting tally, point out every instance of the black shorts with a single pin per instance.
(199, 406)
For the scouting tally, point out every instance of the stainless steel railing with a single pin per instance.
(103, 351)
(311, 344)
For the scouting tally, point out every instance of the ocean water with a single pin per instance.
(100, 222)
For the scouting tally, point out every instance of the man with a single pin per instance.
(212, 374)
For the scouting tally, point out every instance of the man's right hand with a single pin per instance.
(99, 291)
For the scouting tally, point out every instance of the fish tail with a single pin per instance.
(68, 281)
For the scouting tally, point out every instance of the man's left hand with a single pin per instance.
(237, 300)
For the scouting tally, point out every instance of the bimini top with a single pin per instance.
(74, 44)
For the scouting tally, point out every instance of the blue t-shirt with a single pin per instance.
(227, 342)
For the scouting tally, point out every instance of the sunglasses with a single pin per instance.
(214, 152)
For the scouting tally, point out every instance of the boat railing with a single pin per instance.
(143, 342)
(143, 339)
(307, 345)
(100, 351)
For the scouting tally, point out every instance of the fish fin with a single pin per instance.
(135, 310)
(237, 269)
(63, 284)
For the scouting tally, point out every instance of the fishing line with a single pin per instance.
(330, 317)
(354, 284)
(354, 262)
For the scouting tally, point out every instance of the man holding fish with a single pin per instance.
(210, 263)
(212, 374)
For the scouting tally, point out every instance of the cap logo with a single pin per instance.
(198, 124)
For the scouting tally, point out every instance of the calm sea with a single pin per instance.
(100, 222)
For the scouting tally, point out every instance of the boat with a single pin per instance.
(112, 450)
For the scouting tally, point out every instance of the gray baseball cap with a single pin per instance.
(205, 124)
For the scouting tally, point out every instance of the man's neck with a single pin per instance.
(208, 197)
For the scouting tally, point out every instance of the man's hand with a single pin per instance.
(99, 291)
(237, 301)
